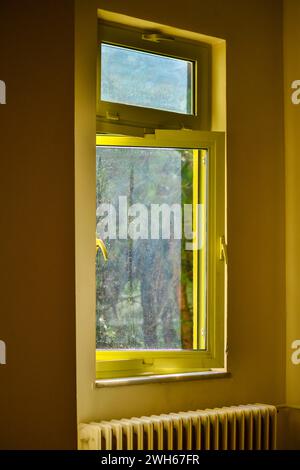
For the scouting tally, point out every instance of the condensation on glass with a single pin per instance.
(148, 80)
(144, 293)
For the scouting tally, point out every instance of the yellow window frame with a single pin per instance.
(122, 118)
(209, 168)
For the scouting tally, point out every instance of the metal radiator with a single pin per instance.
(250, 427)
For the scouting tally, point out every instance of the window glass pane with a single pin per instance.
(144, 79)
(145, 291)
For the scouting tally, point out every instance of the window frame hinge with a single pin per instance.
(223, 250)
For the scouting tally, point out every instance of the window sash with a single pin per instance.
(122, 117)
(124, 363)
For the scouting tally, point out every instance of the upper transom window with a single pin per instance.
(150, 81)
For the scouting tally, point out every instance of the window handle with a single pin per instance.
(223, 250)
(100, 246)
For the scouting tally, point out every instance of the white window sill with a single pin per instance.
(190, 376)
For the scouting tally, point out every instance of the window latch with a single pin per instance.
(223, 250)
(156, 37)
(112, 116)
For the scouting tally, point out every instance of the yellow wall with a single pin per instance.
(292, 152)
(256, 208)
(37, 280)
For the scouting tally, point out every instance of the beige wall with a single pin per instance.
(256, 209)
(37, 281)
(292, 135)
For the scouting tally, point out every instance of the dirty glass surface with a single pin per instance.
(138, 78)
(144, 292)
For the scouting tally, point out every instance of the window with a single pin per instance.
(151, 81)
(160, 209)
